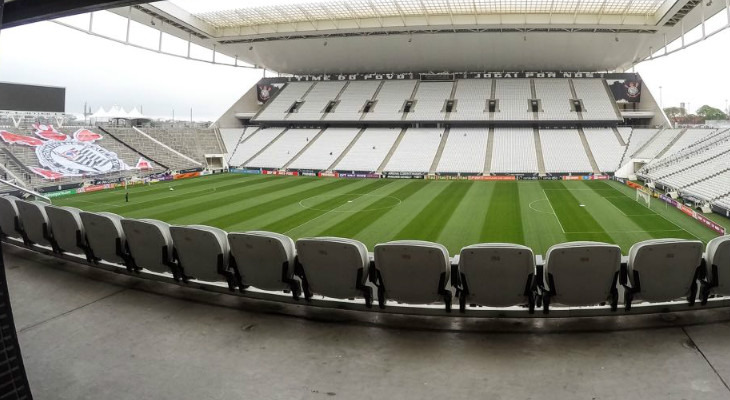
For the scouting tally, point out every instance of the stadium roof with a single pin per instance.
(305, 37)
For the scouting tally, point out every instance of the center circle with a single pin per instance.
(342, 202)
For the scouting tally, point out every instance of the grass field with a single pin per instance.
(455, 213)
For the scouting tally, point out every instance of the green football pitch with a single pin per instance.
(454, 213)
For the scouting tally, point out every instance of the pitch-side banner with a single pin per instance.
(694, 214)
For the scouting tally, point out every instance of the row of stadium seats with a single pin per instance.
(468, 98)
(412, 272)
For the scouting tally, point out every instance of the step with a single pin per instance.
(413, 96)
(347, 149)
(491, 97)
(538, 152)
(311, 142)
(619, 137)
(303, 98)
(392, 150)
(336, 99)
(490, 151)
(451, 98)
(239, 142)
(265, 147)
(374, 98)
(575, 97)
(439, 152)
(588, 150)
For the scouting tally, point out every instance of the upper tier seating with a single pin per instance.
(606, 149)
(514, 151)
(369, 150)
(313, 107)
(278, 107)
(563, 151)
(513, 96)
(597, 105)
(470, 100)
(465, 151)
(390, 101)
(416, 151)
(283, 149)
(430, 101)
(352, 101)
(554, 96)
(328, 147)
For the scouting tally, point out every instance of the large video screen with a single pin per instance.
(16, 97)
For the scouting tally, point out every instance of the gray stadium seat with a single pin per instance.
(35, 222)
(264, 260)
(665, 269)
(150, 245)
(68, 229)
(496, 275)
(335, 267)
(717, 260)
(581, 274)
(203, 253)
(105, 237)
(414, 272)
(10, 224)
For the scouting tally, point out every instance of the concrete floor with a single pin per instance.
(89, 334)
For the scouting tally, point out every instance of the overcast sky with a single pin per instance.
(105, 73)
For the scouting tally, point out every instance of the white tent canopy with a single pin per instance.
(117, 112)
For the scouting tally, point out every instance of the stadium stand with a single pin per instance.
(231, 138)
(429, 102)
(279, 107)
(416, 151)
(658, 143)
(625, 133)
(314, 105)
(194, 143)
(513, 96)
(150, 148)
(283, 149)
(690, 137)
(465, 151)
(563, 151)
(638, 138)
(605, 147)
(470, 100)
(369, 151)
(597, 105)
(256, 142)
(352, 101)
(555, 97)
(325, 150)
(390, 100)
(514, 151)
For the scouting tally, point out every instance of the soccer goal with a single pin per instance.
(643, 197)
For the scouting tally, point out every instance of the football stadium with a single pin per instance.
(414, 199)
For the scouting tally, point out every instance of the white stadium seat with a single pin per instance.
(203, 253)
(150, 245)
(10, 224)
(335, 267)
(717, 261)
(35, 222)
(665, 269)
(413, 272)
(581, 274)
(105, 237)
(264, 260)
(68, 229)
(496, 275)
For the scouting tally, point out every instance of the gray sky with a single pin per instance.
(105, 73)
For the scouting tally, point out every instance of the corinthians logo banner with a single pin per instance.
(60, 155)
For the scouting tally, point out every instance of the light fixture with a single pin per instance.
(152, 22)
(325, 43)
(616, 38)
(250, 48)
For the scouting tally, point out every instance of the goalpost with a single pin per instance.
(643, 196)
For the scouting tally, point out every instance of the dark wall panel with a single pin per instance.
(17, 97)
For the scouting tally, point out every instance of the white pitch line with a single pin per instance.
(321, 215)
(554, 213)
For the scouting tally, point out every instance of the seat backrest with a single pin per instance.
(331, 265)
(148, 240)
(583, 272)
(103, 234)
(666, 267)
(261, 257)
(8, 216)
(718, 255)
(33, 216)
(411, 270)
(65, 223)
(200, 249)
(496, 273)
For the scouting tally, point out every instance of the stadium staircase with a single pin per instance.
(303, 98)
(347, 149)
(412, 98)
(589, 153)
(373, 99)
(451, 98)
(618, 136)
(439, 152)
(17, 168)
(127, 145)
(538, 152)
(492, 96)
(580, 114)
(265, 147)
(392, 150)
(533, 94)
(307, 146)
(9, 174)
(669, 146)
(490, 150)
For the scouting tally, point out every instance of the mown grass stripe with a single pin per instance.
(503, 221)
(270, 208)
(428, 224)
(321, 208)
(576, 221)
